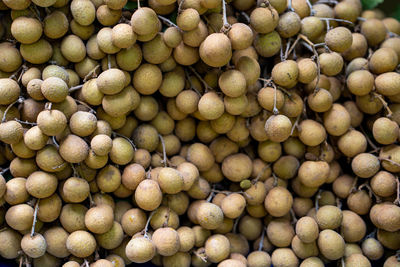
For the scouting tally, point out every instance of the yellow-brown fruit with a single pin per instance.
(331, 244)
(278, 201)
(339, 39)
(278, 128)
(216, 50)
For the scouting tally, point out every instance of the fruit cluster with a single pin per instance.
(198, 132)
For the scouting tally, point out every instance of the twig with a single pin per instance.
(244, 14)
(293, 46)
(207, 87)
(295, 124)
(53, 138)
(225, 24)
(91, 73)
(202, 257)
(138, 4)
(275, 183)
(3, 171)
(146, 228)
(26, 122)
(129, 140)
(109, 56)
(294, 219)
(164, 152)
(211, 196)
(261, 243)
(317, 198)
(260, 174)
(72, 89)
(180, 6)
(91, 110)
(190, 82)
(374, 147)
(168, 22)
(338, 20)
(19, 100)
(397, 200)
(35, 217)
(385, 104)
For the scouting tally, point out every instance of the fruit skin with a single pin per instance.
(216, 50)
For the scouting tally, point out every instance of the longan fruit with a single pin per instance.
(359, 202)
(26, 30)
(357, 260)
(307, 70)
(237, 167)
(360, 82)
(365, 165)
(339, 39)
(383, 60)
(211, 106)
(140, 249)
(75, 189)
(329, 217)
(11, 244)
(372, 248)
(81, 243)
(148, 195)
(33, 246)
(216, 50)
(278, 201)
(166, 241)
(41, 185)
(269, 151)
(278, 128)
(19, 217)
(49, 208)
(233, 205)
(264, 20)
(11, 57)
(374, 31)
(209, 215)
(112, 238)
(14, 191)
(387, 83)
(289, 24)
(385, 131)
(280, 233)
(217, 248)
(311, 133)
(331, 244)
(385, 216)
(383, 184)
(313, 173)
(232, 83)
(307, 229)
(188, 19)
(284, 257)
(357, 49)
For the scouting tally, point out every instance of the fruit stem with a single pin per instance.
(317, 198)
(129, 140)
(295, 124)
(288, 46)
(312, 12)
(236, 223)
(19, 100)
(338, 203)
(91, 73)
(385, 104)
(86, 263)
(275, 184)
(163, 150)
(244, 14)
(190, 82)
(374, 147)
(146, 228)
(91, 110)
(180, 6)
(293, 215)
(25, 122)
(165, 224)
(53, 138)
(225, 24)
(168, 22)
(138, 4)
(3, 171)
(261, 243)
(260, 174)
(72, 89)
(35, 11)
(338, 20)
(397, 200)
(202, 257)
(207, 87)
(342, 262)
(211, 196)
(109, 60)
(35, 217)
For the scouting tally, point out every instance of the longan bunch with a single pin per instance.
(199, 133)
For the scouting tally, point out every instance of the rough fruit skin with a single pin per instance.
(216, 50)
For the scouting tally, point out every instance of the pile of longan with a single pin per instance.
(229, 133)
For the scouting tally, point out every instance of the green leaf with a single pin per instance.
(396, 13)
(131, 6)
(370, 4)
